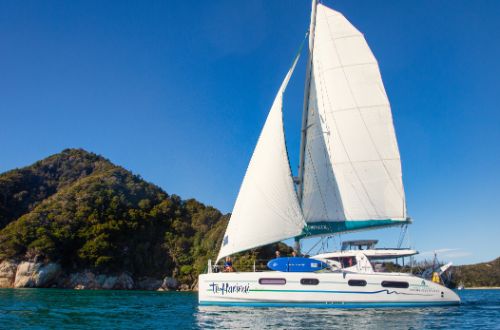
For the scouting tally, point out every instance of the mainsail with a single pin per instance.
(351, 177)
(266, 209)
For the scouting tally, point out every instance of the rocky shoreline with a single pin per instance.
(30, 274)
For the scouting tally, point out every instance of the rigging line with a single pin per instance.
(352, 95)
(314, 246)
(308, 150)
(297, 55)
(325, 90)
(322, 245)
(305, 110)
(401, 195)
(402, 235)
(409, 237)
(340, 212)
(347, 216)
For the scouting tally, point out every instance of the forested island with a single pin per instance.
(484, 275)
(75, 220)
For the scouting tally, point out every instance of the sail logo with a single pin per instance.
(318, 227)
(226, 240)
(225, 288)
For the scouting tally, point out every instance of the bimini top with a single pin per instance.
(367, 244)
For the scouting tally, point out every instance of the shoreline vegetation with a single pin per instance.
(478, 276)
(75, 220)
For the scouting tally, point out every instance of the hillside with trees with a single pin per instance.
(78, 209)
(486, 274)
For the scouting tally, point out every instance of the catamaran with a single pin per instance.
(349, 179)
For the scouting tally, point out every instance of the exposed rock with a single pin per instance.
(36, 275)
(47, 274)
(82, 281)
(149, 283)
(124, 282)
(87, 280)
(194, 286)
(184, 287)
(24, 275)
(170, 283)
(100, 280)
(29, 274)
(7, 273)
(109, 283)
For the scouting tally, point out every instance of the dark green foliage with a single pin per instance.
(478, 275)
(79, 209)
(22, 189)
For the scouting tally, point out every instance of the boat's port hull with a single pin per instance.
(322, 290)
(329, 305)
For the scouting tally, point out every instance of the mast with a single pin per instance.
(305, 112)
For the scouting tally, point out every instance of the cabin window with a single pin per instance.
(395, 284)
(309, 281)
(347, 262)
(357, 282)
(272, 281)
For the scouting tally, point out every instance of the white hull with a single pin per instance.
(332, 290)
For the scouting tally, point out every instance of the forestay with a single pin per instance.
(352, 167)
(266, 209)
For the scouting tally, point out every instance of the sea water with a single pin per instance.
(72, 309)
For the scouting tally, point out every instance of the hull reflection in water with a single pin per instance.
(306, 318)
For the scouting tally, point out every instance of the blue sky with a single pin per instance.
(178, 92)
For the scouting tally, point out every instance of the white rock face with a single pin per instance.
(87, 280)
(26, 271)
(35, 275)
(28, 274)
(170, 283)
(7, 273)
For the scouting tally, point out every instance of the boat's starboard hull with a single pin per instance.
(322, 290)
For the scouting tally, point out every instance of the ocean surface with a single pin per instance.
(72, 309)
